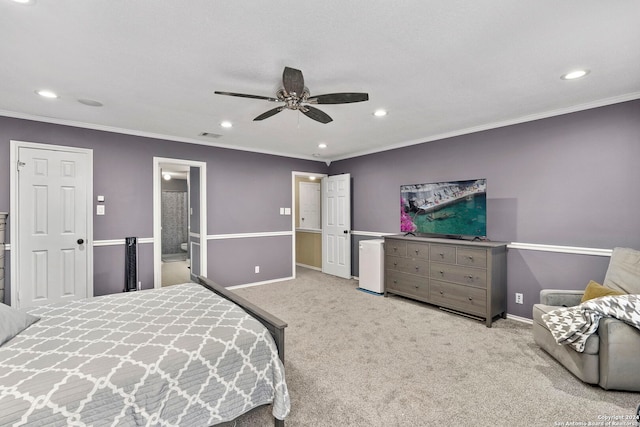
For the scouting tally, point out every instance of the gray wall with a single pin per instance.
(245, 193)
(568, 180)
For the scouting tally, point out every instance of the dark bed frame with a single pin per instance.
(271, 322)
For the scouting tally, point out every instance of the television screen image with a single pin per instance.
(451, 209)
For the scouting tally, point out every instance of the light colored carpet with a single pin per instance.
(355, 359)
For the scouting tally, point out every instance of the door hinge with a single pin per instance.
(19, 165)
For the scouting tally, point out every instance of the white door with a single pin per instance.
(53, 241)
(336, 225)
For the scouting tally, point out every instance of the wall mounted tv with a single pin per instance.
(454, 209)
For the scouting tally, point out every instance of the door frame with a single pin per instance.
(294, 213)
(157, 214)
(14, 217)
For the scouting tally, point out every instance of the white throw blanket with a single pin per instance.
(574, 325)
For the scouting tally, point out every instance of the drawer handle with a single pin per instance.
(441, 254)
(395, 264)
(395, 248)
(395, 282)
(441, 293)
(417, 267)
(470, 299)
(470, 258)
(470, 277)
(417, 251)
(441, 273)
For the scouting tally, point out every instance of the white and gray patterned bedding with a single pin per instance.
(177, 356)
(574, 325)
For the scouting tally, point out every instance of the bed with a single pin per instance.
(186, 355)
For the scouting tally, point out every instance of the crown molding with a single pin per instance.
(495, 125)
(144, 134)
(488, 126)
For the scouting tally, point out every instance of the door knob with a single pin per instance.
(80, 241)
(346, 231)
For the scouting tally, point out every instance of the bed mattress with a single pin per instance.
(177, 356)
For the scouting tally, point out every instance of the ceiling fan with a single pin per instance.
(296, 96)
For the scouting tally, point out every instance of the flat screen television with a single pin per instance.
(454, 209)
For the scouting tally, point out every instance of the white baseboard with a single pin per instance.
(311, 267)
(519, 319)
(266, 282)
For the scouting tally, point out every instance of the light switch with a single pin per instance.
(101, 198)
(287, 211)
(281, 211)
(100, 210)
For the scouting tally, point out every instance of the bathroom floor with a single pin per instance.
(182, 256)
(175, 272)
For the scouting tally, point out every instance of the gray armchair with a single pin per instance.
(611, 356)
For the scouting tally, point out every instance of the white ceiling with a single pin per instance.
(440, 68)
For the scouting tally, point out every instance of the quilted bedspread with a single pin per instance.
(177, 356)
(574, 325)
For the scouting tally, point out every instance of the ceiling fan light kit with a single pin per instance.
(296, 96)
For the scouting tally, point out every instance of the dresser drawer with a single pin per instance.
(458, 274)
(407, 265)
(407, 285)
(472, 257)
(418, 250)
(395, 247)
(441, 253)
(458, 297)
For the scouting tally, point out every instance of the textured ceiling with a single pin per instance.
(440, 68)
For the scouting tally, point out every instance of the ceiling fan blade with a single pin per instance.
(293, 81)
(315, 114)
(242, 95)
(338, 98)
(269, 113)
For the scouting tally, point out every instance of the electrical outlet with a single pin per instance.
(519, 298)
(257, 269)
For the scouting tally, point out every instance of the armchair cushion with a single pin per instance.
(596, 290)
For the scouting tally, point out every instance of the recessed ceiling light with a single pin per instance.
(574, 74)
(380, 113)
(312, 178)
(226, 124)
(322, 145)
(24, 1)
(167, 177)
(45, 93)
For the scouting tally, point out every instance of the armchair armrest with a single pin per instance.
(619, 361)
(561, 297)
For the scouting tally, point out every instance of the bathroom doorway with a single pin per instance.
(179, 221)
(174, 224)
